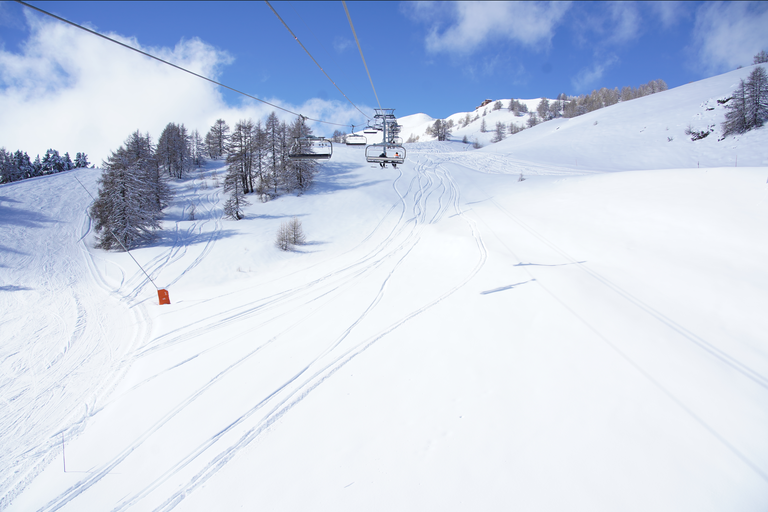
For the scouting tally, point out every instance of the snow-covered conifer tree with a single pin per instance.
(81, 160)
(501, 131)
(126, 211)
(300, 173)
(173, 150)
(241, 155)
(736, 116)
(23, 166)
(52, 162)
(217, 139)
(442, 129)
(142, 153)
(197, 148)
(757, 98)
(543, 109)
(296, 232)
(274, 136)
(233, 207)
(6, 166)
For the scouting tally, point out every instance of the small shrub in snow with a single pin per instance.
(289, 234)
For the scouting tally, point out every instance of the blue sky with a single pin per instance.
(431, 57)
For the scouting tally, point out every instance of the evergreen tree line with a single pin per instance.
(16, 166)
(748, 107)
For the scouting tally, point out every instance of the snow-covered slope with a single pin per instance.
(449, 338)
(644, 133)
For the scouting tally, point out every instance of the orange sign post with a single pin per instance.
(163, 296)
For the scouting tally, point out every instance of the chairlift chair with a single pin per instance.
(356, 140)
(385, 154)
(311, 148)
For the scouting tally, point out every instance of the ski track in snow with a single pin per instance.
(430, 193)
(425, 193)
(64, 380)
(727, 360)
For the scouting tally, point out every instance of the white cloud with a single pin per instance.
(624, 22)
(608, 24)
(669, 13)
(588, 77)
(341, 43)
(72, 91)
(728, 34)
(473, 24)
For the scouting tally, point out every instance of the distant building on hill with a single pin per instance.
(483, 104)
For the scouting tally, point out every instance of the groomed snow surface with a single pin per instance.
(449, 338)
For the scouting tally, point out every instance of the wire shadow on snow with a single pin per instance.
(341, 176)
(503, 288)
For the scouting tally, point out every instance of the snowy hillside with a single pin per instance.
(644, 133)
(449, 338)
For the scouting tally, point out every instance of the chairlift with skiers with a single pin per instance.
(384, 154)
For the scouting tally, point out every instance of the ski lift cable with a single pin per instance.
(311, 57)
(327, 53)
(361, 52)
(170, 63)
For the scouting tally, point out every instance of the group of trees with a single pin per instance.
(441, 129)
(290, 233)
(258, 162)
(16, 166)
(133, 188)
(748, 107)
(132, 195)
